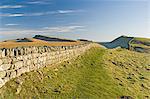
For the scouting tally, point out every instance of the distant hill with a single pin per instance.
(122, 41)
(132, 43)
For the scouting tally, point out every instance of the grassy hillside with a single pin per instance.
(132, 43)
(131, 70)
(122, 41)
(98, 74)
(140, 44)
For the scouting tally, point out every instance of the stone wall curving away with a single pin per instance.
(16, 61)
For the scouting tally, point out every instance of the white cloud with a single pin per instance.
(45, 30)
(62, 29)
(38, 2)
(11, 15)
(69, 11)
(65, 11)
(10, 6)
(40, 13)
(11, 24)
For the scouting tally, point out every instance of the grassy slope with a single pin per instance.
(131, 70)
(144, 42)
(94, 75)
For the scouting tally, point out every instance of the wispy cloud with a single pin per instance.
(38, 2)
(44, 30)
(66, 11)
(62, 29)
(10, 6)
(11, 24)
(40, 13)
(11, 15)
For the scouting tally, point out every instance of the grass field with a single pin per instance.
(98, 74)
(35, 42)
(140, 42)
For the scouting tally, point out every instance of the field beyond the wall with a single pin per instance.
(35, 42)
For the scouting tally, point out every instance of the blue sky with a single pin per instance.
(99, 20)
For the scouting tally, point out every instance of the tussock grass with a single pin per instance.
(131, 71)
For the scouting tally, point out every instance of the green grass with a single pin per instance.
(144, 42)
(142, 39)
(130, 69)
(90, 76)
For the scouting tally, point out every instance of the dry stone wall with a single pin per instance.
(16, 61)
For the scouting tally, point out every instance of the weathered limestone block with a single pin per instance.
(5, 67)
(41, 65)
(44, 62)
(44, 59)
(47, 49)
(2, 74)
(6, 79)
(1, 62)
(22, 51)
(52, 53)
(25, 51)
(49, 54)
(0, 53)
(14, 60)
(35, 55)
(42, 49)
(18, 64)
(29, 56)
(28, 62)
(12, 52)
(27, 68)
(49, 62)
(34, 49)
(24, 69)
(2, 82)
(8, 52)
(47, 58)
(44, 54)
(13, 74)
(19, 58)
(21, 71)
(33, 67)
(25, 57)
(41, 59)
(4, 52)
(37, 49)
(29, 50)
(35, 61)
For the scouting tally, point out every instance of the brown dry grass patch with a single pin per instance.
(35, 42)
